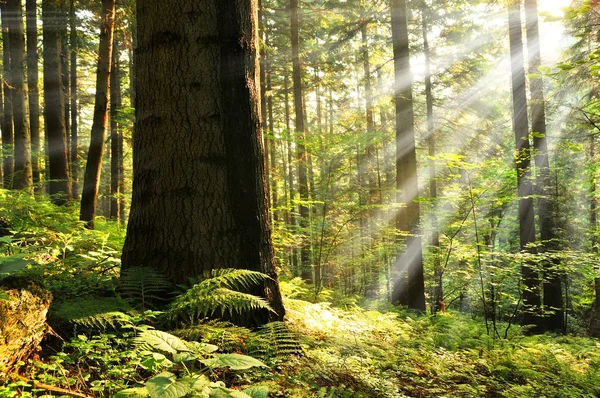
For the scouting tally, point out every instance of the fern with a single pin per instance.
(144, 287)
(110, 320)
(219, 296)
(227, 336)
(274, 341)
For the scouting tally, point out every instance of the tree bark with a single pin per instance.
(23, 178)
(93, 166)
(553, 299)
(594, 329)
(7, 122)
(199, 196)
(59, 186)
(33, 81)
(300, 134)
(530, 278)
(115, 133)
(409, 286)
(438, 295)
(74, 150)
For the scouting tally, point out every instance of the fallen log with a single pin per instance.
(23, 310)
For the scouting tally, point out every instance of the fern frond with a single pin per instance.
(144, 286)
(200, 301)
(234, 279)
(114, 320)
(227, 336)
(274, 340)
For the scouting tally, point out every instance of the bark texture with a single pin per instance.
(300, 134)
(116, 151)
(530, 277)
(74, 150)
(23, 178)
(93, 166)
(59, 185)
(409, 285)
(7, 118)
(32, 82)
(199, 195)
(22, 321)
(553, 298)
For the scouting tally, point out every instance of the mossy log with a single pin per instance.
(23, 309)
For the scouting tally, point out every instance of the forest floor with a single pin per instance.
(336, 346)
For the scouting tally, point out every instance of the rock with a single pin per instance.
(23, 309)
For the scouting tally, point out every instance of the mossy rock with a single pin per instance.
(23, 309)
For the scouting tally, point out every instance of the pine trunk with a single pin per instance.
(34, 94)
(199, 197)
(74, 150)
(59, 186)
(93, 166)
(300, 134)
(7, 122)
(530, 277)
(23, 178)
(115, 134)
(409, 285)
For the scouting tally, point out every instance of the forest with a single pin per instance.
(299, 198)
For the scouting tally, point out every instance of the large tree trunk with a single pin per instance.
(553, 300)
(23, 178)
(93, 166)
(115, 133)
(409, 286)
(300, 134)
(7, 120)
(59, 186)
(531, 291)
(594, 328)
(199, 198)
(32, 81)
(74, 150)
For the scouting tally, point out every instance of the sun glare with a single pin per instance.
(553, 7)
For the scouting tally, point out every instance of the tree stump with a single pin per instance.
(23, 310)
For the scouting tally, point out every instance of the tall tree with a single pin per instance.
(23, 178)
(74, 150)
(7, 118)
(93, 166)
(199, 196)
(116, 150)
(409, 286)
(553, 302)
(59, 186)
(33, 81)
(438, 294)
(530, 278)
(301, 154)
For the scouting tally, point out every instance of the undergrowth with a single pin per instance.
(330, 345)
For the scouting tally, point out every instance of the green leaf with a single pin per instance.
(233, 361)
(227, 393)
(162, 341)
(166, 386)
(257, 391)
(184, 356)
(200, 383)
(133, 393)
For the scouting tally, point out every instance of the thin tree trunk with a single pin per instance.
(34, 95)
(300, 133)
(553, 300)
(115, 133)
(409, 287)
(438, 296)
(263, 98)
(59, 186)
(74, 102)
(531, 293)
(290, 174)
(23, 178)
(595, 321)
(7, 124)
(273, 146)
(93, 167)
(64, 68)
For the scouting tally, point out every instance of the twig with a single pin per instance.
(60, 390)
